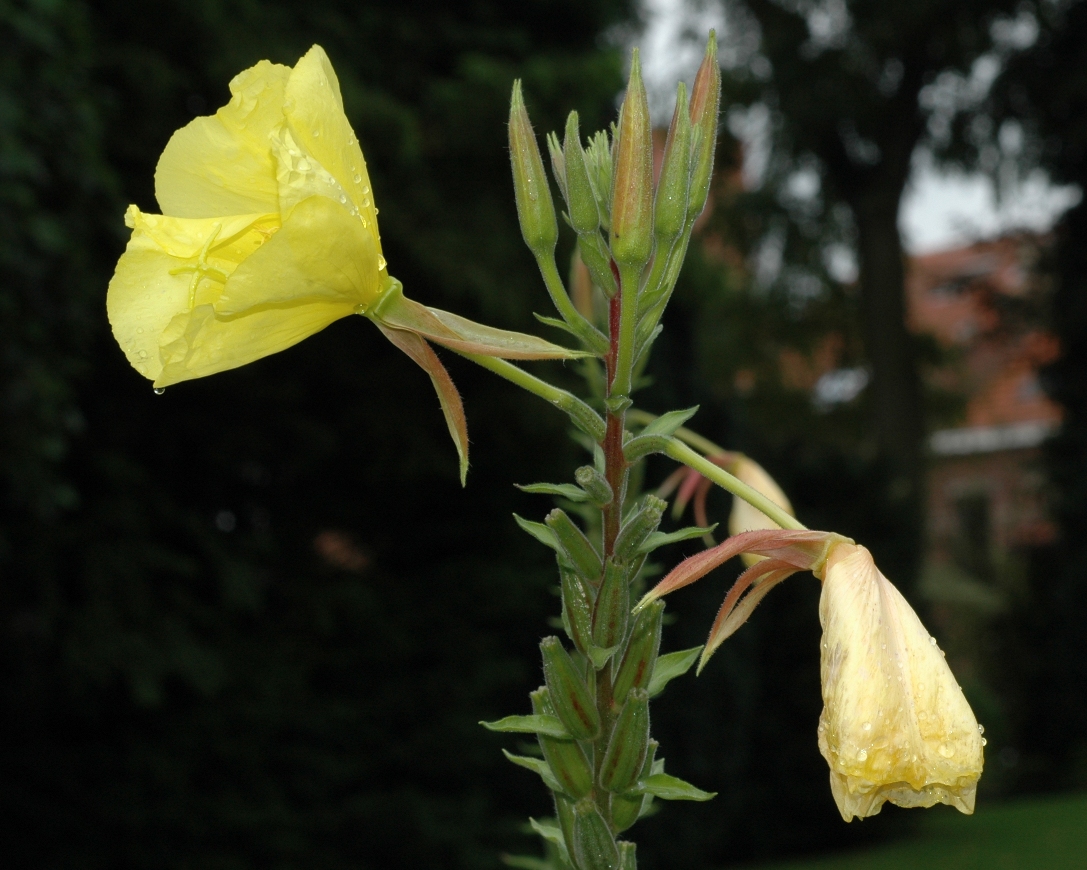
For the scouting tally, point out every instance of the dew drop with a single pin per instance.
(143, 354)
(984, 742)
(343, 199)
(316, 134)
(932, 640)
(867, 726)
(139, 331)
(160, 390)
(381, 264)
(883, 646)
(945, 750)
(862, 755)
(357, 178)
(981, 728)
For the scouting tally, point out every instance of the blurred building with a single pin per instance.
(983, 307)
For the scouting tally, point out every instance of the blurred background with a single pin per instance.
(254, 622)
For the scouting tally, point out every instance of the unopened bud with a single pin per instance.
(632, 193)
(628, 859)
(636, 669)
(566, 758)
(705, 103)
(629, 742)
(564, 812)
(536, 211)
(580, 197)
(595, 484)
(594, 846)
(570, 696)
(575, 546)
(670, 210)
(577, 610)
(600, 162)
(612, 607)
(639, 527)
(558, 162)
(627, 809)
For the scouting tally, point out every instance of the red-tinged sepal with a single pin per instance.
(395, 310)
(803, 550)
(416, 347)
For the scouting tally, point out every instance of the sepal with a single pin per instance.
(565, 757)
(627, 747)
(594, 845)
(577, 610)
(537, 766)
(570, 697)
(565, 490)
(640, 661)
(535, 210)
(575, 546)
(639, 527)
(595, 485)
(580, 197)
(549, 726)
(627, 808)
(612, 607)
(672, 788)
(632, 188)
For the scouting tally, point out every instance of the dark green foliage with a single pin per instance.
(253, 622)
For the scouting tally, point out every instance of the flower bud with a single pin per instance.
(580, 196)
(895, 725)
(594, 846)
(632, 192)
(570, 696)
(612, 607)
(627, 747)
(639, 527)
(595, 484)
(670, 210)
(536, 211)
(600, 162)
(564, 812)
(628, 859)
(566, 758)
(705, 104)
(575, 546)
(636, 669)
(627, 809)
(577, 610)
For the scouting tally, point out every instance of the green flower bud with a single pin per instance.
(570, 696)
(600, 163)
(594, 846)
(566, 758)
(627, 809)
(558, 162)
(628, 745)
(536, 211)
(628, 860)
(632, 191)
(705, 103)
(575, 546)
(577, 610)
(639, 527)
(670, 211)
(612, 607)
(595, 484)
(636, 669)
(580, 196)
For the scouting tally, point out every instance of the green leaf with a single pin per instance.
(555, 322)
(667, 424)
(536, 765)
(566, 490)
(672, 788)
(671, 666)
(524, 862)
(600, 656)
(659, 539)
(553, 834)
(548, 725)
(540, 532)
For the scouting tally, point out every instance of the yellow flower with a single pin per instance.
(895, 725)
(269, 231)
(744, 517)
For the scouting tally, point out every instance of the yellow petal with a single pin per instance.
(222, 164)
(170, 266)
(321, 253)
(314, 111)
(895, 725)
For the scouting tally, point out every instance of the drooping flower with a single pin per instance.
(895, 725)
(268, 235)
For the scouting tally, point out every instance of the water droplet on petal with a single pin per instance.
(945, 750)
(862, 755)
(143, 354)
(139, 331)
(343, 199)
(981, 728)
(867, 726)
(932, 640)
(984, 742)
(357, 178)
(316, 134)
(160, 390)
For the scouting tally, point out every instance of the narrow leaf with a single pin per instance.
(599, 656)
(566, 490)
(672, 788)
(669, 667)
(536, 765)
(659, 539)
(540, 532)
(452, 407)
(667, 424)
(547, 725)
(555, 322)
(552, 833)
(524, 862)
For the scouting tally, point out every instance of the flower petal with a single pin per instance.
(314, 110)
(895, 725)
(222, 164)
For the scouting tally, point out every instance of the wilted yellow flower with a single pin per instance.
(895, 725)
(269, 231)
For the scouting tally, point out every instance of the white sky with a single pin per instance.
(940, 209)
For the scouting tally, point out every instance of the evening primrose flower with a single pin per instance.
(269, 234)
(895, 725)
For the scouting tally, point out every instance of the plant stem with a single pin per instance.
(682, 453)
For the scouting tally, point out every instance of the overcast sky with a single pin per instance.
(940, 210)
